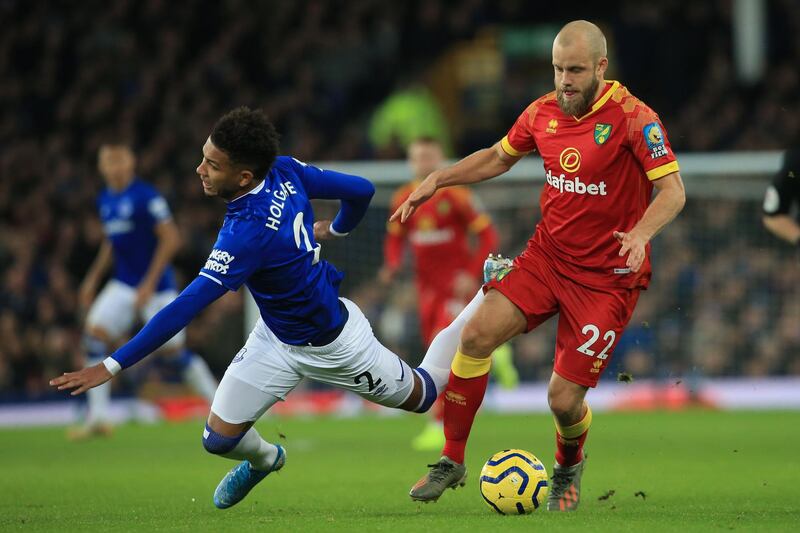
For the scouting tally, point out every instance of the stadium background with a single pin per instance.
(352, 81)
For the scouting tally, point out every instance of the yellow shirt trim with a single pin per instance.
(603, 99)
(510, 150)
(663, 170)
(480, 223)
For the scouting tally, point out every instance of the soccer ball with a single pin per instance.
(514, 482)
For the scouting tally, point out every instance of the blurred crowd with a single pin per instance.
(161, 72)
(723, 301)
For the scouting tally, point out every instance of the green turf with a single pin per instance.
(699, 471)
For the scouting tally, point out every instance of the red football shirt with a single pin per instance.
(438, 234)
(599, 170)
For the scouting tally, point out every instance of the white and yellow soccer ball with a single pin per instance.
(514, 482)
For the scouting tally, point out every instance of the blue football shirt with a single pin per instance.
(129, 219)
(267, 243)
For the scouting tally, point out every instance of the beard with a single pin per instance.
(579, 104)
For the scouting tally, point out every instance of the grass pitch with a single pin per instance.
(698, 470)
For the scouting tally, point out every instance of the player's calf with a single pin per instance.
(96, 342)
(219, 444)
(425, 390)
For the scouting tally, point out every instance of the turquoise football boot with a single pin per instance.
(241, 479)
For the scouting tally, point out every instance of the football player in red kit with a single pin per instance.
(447, 268)
(604, 151)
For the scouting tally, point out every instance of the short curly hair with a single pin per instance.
(248, 138)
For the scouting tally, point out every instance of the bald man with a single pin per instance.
(604, 151)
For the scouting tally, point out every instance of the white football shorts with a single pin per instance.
(113, 311)
(265, 370)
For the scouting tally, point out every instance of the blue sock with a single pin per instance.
(429, 389)
(96, 349)
(218, 444)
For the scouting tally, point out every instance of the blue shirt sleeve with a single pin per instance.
(236, 254)
(169, 321)
(158, 209)
(153, 205)
(354, 192)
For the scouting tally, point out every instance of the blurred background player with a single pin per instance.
(782, 197)
(447, 267)
(141, 239)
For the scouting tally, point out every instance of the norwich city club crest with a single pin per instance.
(601, 133)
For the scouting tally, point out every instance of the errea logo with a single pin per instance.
(219, 261)
(455, 397)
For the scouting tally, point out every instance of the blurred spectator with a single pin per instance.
(160, 72)
(408, 114)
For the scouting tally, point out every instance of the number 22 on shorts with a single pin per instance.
(594, 333)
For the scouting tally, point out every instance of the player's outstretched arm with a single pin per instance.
(667, 204)
(476, 167)
(162, 327)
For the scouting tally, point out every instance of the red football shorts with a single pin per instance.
(433, 312)
(590, 321)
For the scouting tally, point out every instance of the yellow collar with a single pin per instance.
(602, 100)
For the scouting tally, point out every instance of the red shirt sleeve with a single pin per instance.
(648, 142)
(519, 139)
(393, 251)
(479, 223)
(395, 233)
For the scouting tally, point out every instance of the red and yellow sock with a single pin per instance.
(462, 399)
(437, 411)
(570, 439)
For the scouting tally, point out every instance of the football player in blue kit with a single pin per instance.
(140, 241)
(268, 242)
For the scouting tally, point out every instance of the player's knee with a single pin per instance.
(97, 333)
(218, 444)
(564, 404)
(476, 339)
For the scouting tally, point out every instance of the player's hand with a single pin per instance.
(464, 286)
(425, 190)
(82, 380)
(633, 244)
(144, 292)
(322, 230)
